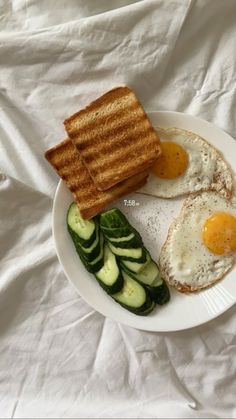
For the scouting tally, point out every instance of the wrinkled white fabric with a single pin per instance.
(58, 357)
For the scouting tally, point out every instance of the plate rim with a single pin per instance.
(195, 323)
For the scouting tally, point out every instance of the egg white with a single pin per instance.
(185, 261)
(206, 168)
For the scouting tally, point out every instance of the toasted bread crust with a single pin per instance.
(65, 159)
(115, 137)
(96, 209)
(94, 105)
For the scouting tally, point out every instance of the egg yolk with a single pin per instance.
(172, 162)
(219, 233)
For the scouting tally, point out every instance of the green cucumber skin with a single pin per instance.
(133, 243)
(115, 224)
(109, 277)
(87, 263)
(140, 311)
(82, 242)
(84, 262)
(113, 218)
(96, 266)
(89, 257)
(149, 310)
(116, 233)
(161, 294)
(131, 273)
(151, 270)
(113, 289)
(142, 259)
(144, 310)
(90, 268)
(128, 270)
(83, 256)
(93, 268)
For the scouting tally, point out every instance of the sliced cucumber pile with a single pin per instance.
(122, 265)
(134, 257)
(87, 238)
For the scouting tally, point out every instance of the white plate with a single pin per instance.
(151, 217)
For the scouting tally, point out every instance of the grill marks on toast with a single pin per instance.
(115, 119)
(67, 162)
(108, 170)
(108, 102)
(115, 137)
(134, 151)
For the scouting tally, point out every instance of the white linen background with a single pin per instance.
(58, 357)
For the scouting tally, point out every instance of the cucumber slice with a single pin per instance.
(159, 292)
(148, 275)
(109, 276)
(148, 310)
(121, 239)
(113, 218)
(133, 296)
(116, 232)
(96, 264)
(89, 253)
(135, 254)
(84, 230)
(136, 267)
(130, 241)
(116, 226)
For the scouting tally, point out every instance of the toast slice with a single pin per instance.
(66, 160)
(114, 137)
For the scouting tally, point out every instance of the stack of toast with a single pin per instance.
(110, 148)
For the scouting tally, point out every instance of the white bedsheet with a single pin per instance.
(58, 357)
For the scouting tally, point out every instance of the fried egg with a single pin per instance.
(187, 164)
(201, 244)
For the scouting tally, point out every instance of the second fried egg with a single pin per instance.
(201, 244)
(188, 164)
